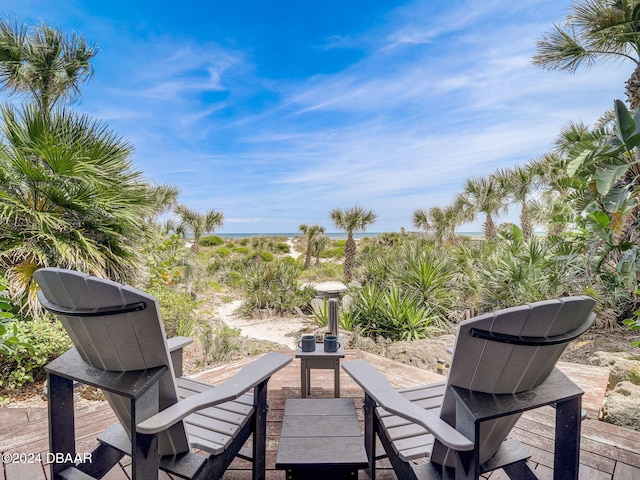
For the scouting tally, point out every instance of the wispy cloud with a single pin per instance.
(436, 92)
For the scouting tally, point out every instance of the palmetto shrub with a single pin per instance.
(515, 272)
(392, 313)
(274, 286)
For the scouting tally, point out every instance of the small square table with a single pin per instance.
(321, 439)
(319, 359)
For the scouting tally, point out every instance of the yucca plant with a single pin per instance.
(428, 275)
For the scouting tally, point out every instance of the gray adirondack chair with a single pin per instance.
(503, 364)
(120, 347)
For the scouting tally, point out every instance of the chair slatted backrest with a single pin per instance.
(118, 328)
(511, 351)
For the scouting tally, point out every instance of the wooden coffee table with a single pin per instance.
(321, 439)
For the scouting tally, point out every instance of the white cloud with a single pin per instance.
(441, 91)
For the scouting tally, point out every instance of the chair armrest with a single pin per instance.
(379, 389)
(176, 343)
(247, 378)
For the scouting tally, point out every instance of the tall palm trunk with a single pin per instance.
(490, 230)
(349, 257)
(307, 257)
(525, 222)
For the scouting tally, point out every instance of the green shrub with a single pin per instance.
(214, 266)
(178, 312)
(266, 256)
(325, 272)
(205, 335)
(335, 252)
(211, 241)
(241, 250)
(222, 252)
(223, 344)
(8, 333)
(283, 248)
(42, 340)
(275, 286)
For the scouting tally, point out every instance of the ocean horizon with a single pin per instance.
(333, 235)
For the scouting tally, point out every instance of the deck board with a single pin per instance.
(608, 452)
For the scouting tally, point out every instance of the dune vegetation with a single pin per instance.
(71, 197)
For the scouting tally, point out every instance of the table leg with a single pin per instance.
(336, 378)
(304, 378)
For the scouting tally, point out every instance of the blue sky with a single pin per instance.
(276, 112)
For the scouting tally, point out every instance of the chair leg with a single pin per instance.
(62, 437)
(260, 431)
(566, 461)
(145, 461)
(370, 434)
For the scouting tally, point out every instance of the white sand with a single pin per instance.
(274, 329)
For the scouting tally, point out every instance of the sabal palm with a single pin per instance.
(519, 183)
(481, 195)
(320, 242)
(354, 219)
(594, 30)
(68, 197)
(197, 224)
(442, 222)
(43, 64)
(310, 233)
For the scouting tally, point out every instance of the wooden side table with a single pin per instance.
(321, 439)
(321, 360)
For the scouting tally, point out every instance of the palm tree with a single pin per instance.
(310, 232)
(444, 222)
(68, 198)
(320, 242)
(441, 221)
(420, 220)
(197, 224)
(481, 195)
(350, 220)
(165, 198)
(595, 29)
(43, 64)
(519, 183)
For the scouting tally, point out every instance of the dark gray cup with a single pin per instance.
(331, 343)
(308, 343)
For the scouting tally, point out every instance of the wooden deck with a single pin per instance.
(608, 452)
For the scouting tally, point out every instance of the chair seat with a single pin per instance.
(411, 441)
(213, 429)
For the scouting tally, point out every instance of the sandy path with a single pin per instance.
(274, 329)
